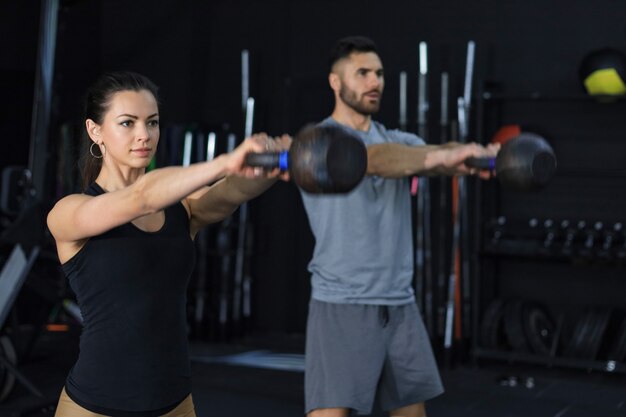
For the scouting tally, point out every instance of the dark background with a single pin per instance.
(192, 51)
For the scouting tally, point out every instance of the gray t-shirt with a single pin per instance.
(363, 241)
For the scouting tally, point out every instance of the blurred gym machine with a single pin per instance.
(22, 236)
(23, 222)
(12, 276)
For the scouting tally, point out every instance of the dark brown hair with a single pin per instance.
(346, 46)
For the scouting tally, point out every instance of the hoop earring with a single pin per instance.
(93, 154)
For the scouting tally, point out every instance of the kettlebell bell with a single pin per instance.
(526, 162)
(321, 160)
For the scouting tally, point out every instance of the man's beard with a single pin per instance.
(364, 107)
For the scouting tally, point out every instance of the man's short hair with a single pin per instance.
(346, 46)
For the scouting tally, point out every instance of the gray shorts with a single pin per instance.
(355, 352)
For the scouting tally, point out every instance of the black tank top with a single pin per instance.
(131, 288)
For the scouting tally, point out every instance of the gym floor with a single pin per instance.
(264, 377)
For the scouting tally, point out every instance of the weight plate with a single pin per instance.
(596, 335)
(491, 328)
(617, 351)
(539, 329)
(575, 347)
(514, 325)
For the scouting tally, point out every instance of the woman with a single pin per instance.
(126, 246)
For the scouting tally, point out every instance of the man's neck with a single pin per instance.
(351, 118)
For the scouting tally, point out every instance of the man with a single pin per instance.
(365, 336)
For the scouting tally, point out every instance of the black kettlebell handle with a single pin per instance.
(268, 160)
(486, 163)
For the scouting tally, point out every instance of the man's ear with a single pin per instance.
(334, 81)
(93, 129)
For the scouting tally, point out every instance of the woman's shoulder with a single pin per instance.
(70, 200)
(65, 206)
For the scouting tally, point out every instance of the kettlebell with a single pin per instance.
(321, 160)
(526, 162)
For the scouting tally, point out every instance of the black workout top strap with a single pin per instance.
(131, 287)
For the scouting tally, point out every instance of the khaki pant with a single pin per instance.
(68, 408)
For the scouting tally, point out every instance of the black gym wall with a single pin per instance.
(192, 51)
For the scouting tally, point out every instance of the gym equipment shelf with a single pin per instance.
(512, 259)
